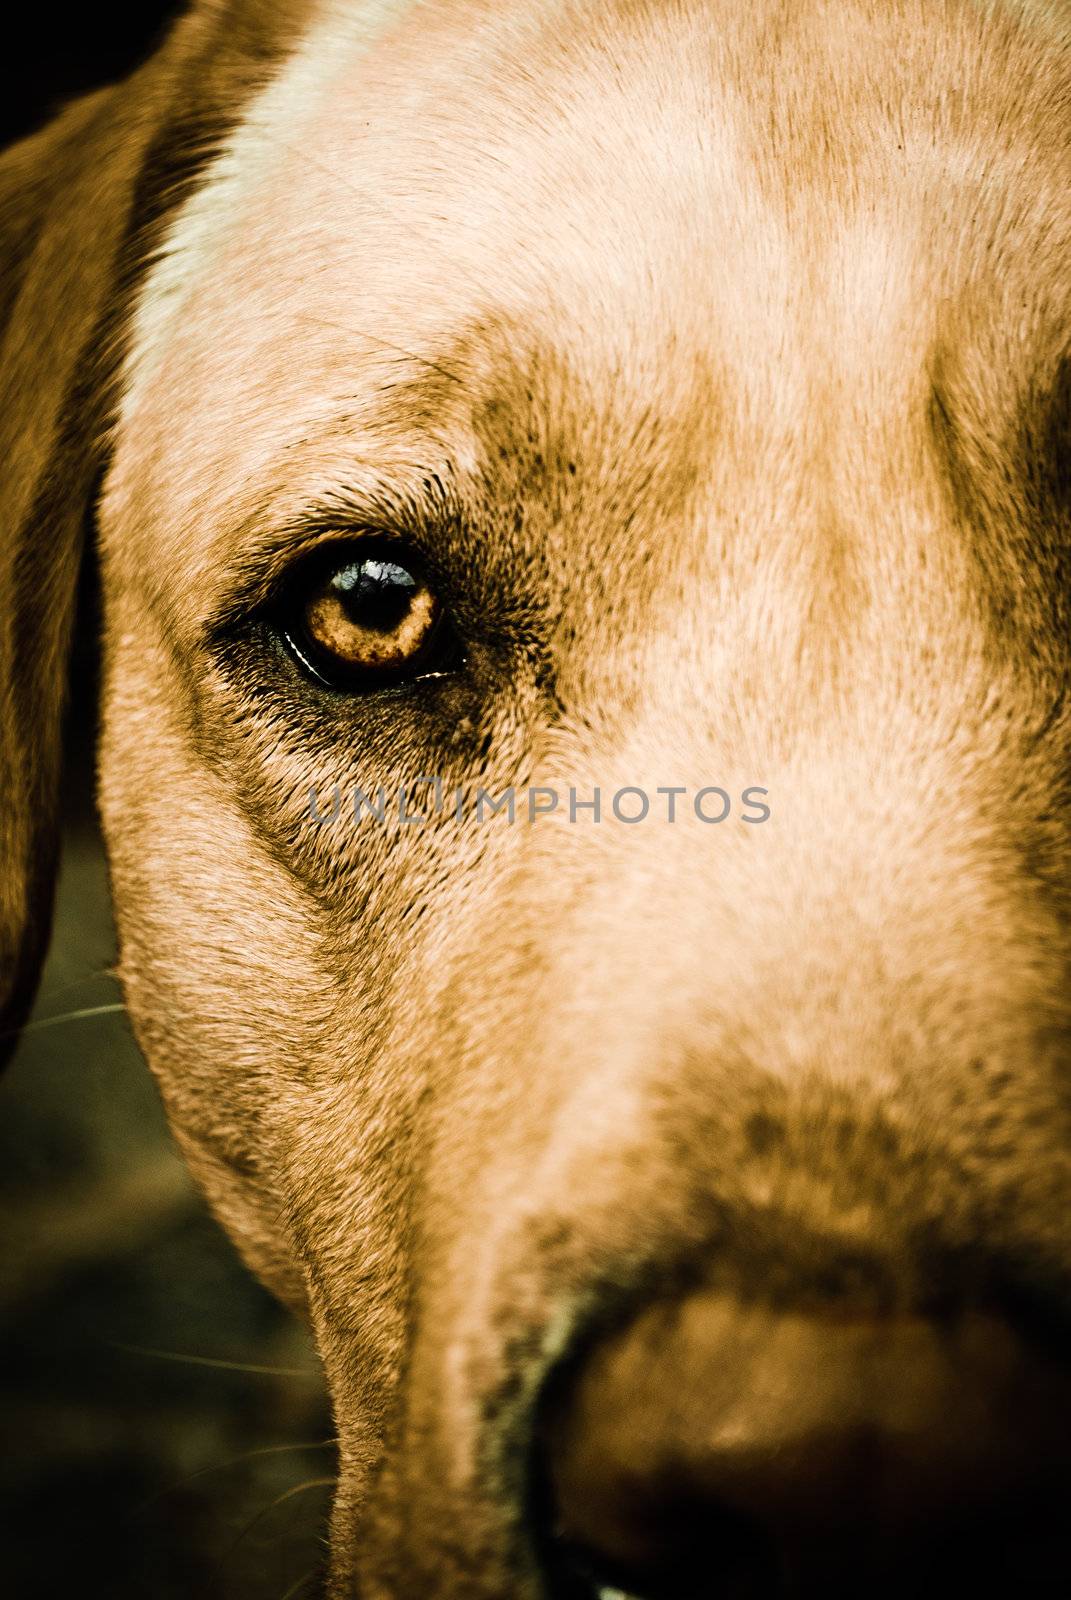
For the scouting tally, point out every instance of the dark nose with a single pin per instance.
(716, 1449)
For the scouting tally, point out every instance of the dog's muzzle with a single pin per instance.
(712, 1447)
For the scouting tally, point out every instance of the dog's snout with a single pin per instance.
(716, 1448)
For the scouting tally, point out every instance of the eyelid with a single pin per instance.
(293, 644)
(259, 583)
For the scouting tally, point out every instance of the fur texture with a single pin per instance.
(717, 355)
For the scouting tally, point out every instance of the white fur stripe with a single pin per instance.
(277, 113)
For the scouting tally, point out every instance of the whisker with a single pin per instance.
(233, 1461)
(295, 1588)
(184, 1359)
(65, 1016)
(52, 991)
(398, 221)
(280, 1499)
(292, 148)
(386, 344)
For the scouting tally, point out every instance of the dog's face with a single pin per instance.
(647, 398)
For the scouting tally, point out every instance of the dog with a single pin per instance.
(655, 414)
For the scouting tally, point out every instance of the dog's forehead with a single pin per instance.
(409, 187)
(606, 192)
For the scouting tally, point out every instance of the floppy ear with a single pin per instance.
(81, 205)
(65, 196)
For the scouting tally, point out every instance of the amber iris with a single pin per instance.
(370, 615)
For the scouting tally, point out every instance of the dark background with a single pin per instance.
(162, 1424)
(65, 49)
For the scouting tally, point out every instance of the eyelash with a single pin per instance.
(412, 521)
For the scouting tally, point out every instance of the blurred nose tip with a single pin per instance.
(712, 1447)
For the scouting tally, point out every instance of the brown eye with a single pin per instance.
(370, 617)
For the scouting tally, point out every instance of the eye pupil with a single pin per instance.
(376, 594)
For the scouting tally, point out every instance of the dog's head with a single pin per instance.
(660, 407)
